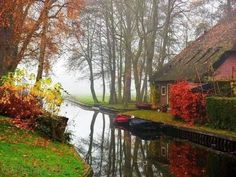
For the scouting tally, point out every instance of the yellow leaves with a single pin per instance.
(32, 77)
(44, 91)
(48, 81)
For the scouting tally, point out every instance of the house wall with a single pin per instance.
(224, 72)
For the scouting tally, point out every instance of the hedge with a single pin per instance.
(221, 112)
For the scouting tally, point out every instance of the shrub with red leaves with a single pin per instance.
(24, 108)
(189, 106)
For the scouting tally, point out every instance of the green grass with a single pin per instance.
(88, 100)
(25, 153)
(169, 119)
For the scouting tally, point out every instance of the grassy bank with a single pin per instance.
(169, 119)
(24, 153)
(88, 100)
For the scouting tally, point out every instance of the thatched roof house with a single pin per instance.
(209, 50)
(211, 56)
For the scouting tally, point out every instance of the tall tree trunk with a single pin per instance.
(120, 66)
(136, 70)
(103, 81)
(120, 71)
(127, 74)
(102, 65)
(91, 78)
(112, 61)
(163, 52)
(137, 81)
(43, 44)
(150, 41)
(8, 48)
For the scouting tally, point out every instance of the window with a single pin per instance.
(163, 90)
(163, 151)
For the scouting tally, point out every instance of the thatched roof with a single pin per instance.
(202, 56)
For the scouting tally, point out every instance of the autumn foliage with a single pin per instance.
(25, 102)
(189, 106)
(24, 108)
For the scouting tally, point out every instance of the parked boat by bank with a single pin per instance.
(142, 124)
(122, 120)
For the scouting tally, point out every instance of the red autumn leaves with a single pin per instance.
(185, 104)
(23, 108)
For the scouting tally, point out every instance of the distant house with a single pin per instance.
(211, 57)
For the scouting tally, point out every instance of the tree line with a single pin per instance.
(122, 42)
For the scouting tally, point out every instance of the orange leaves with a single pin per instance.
(74, 7)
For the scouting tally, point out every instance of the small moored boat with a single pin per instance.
(143, 124)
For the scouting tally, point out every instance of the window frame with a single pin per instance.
(165, 92)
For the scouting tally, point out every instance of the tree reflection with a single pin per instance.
(112, 150)
(127, 154)
(88, 156)
(135, 157)
(102, 144)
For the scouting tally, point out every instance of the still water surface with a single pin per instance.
(114, 152)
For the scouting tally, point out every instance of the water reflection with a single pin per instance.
(129, 153)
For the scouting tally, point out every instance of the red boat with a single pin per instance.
(122, 119)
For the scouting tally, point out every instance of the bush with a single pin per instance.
(185, 104)
(23, 99)
(23, 107)
(221, 112)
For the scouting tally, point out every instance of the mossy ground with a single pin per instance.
(167, 118)
(25, 153)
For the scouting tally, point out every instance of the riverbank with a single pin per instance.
(159, 117)
(168, 119)
(86, 102)
(26, 153)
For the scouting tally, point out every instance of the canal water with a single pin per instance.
(119, 152)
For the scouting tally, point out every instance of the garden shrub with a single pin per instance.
(221, 112)
(184, 104)
(24, 100)
(14, 104)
